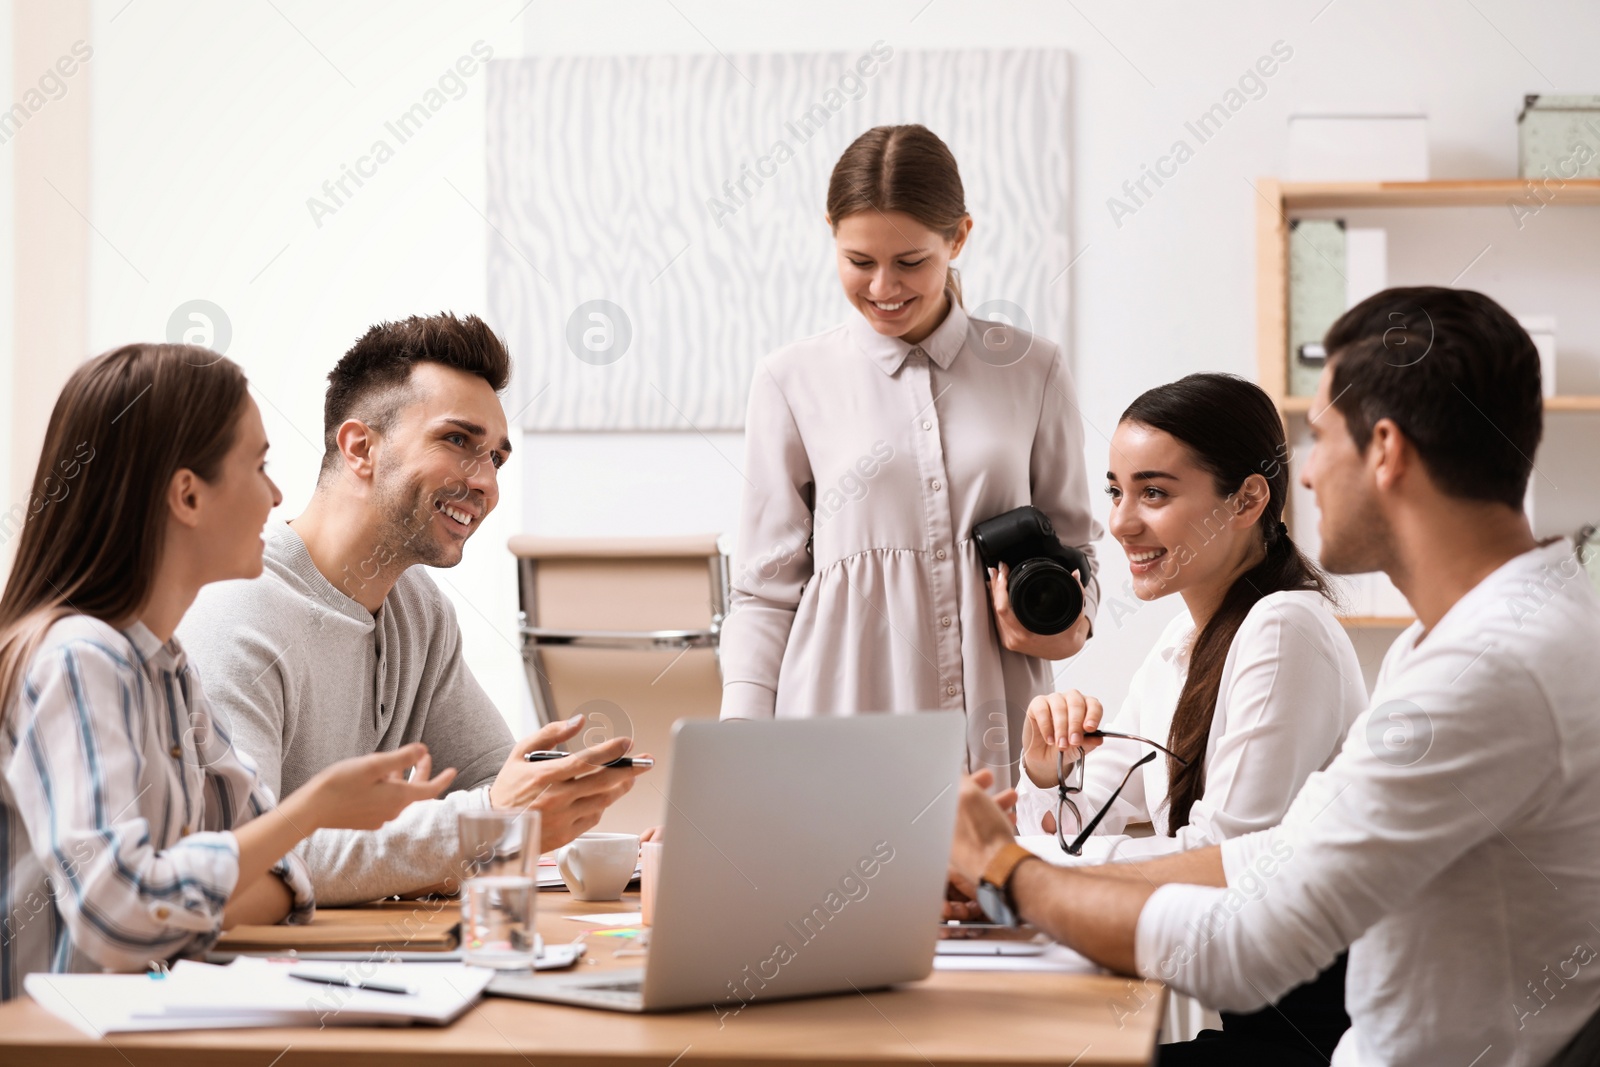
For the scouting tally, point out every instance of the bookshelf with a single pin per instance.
(1278, 202)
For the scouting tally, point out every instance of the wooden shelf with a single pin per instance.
(1572, 403)
(1493, 192)
(1301, 405)
(1376, 622)
(1278, 202)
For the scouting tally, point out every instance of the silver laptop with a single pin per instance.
(803, 857)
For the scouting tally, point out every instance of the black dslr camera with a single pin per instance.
(1044, 595)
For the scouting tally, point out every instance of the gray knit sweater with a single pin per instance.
(300, 676)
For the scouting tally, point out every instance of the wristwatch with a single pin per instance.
(994, 886)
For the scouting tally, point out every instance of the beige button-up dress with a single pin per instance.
(856, 585)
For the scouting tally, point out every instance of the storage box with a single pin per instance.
(1559, 137)
(1332, 267)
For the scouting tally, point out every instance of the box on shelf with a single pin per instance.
(1558, 137)
(1332, 267)
(1588, 544)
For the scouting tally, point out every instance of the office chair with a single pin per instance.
(626, 631)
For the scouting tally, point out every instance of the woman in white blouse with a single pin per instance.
(1251, 688)
(873, 449)
(132, 831)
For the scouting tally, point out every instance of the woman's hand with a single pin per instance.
(1057, 721)
(365, 792)
(361, 793)
(1018, 638)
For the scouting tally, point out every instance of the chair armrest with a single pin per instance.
(669, 640)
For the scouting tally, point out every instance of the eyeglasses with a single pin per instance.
(1067, 789)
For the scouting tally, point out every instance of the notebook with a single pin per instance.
(349, 929)
(252, 992)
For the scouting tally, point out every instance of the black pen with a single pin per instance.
(622, 761)
(352, 983)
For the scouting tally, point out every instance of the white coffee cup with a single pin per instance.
(599, 866)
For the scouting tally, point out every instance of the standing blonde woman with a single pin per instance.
(873, 449)
(131, 832)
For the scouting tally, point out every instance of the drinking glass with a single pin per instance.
(499, 855)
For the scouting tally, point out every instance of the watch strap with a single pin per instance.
(1001, 868)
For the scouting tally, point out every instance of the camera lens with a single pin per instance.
(1045, 597)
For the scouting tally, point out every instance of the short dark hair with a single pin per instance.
(1456, 373)
(376, 369)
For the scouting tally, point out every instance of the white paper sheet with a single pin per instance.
(252, 992)
(615, 918)
(1057, 959)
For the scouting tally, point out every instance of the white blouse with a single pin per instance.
(857, 587)
(1291, 687)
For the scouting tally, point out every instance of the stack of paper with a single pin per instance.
(253, 992)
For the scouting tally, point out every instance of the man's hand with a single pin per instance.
(983, 827)
(958, 903)
(570, 794)
(1019, 638)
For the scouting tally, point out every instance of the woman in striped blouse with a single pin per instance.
(131, 832)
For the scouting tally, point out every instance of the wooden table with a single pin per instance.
(952, 1018)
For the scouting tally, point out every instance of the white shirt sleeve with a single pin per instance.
(1362, 838)
(1105, 770)
(1294, 688)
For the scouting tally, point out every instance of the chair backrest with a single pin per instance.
(624, 630)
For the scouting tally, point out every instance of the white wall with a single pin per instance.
(214, 123)
(213, 126)
(1171, 289)
(9, 492)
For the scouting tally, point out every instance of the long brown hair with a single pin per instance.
(96, 520)
(1232, 430)
(906, 169)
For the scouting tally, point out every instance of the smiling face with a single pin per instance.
(436, 471)
(893, 270)
(1180, 535)
(236, 504)
(1355, 535)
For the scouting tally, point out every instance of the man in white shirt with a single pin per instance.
(1454, 843)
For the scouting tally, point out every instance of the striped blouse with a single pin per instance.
(120, 790)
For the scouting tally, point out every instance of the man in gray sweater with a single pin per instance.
(344, 646)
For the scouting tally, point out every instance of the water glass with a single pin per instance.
(499, 856)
